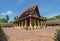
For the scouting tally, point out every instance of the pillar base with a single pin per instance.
(17, 27)
(35, 27)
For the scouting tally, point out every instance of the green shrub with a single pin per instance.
(57, 35)
(2, 35)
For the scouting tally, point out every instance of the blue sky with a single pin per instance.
(47, 8)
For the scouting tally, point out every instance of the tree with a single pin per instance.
(44, 17)
(3, 20)
(11, 22)
(55, 17)
(57, 36)
(15, 18)
(7, 18)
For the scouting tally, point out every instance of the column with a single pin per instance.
(25, 23)
(14, 25)
(41, 24)
(34, 23)
(30, 24)
(22, 24)
(38, 23)
(19, 24)
(45, 24)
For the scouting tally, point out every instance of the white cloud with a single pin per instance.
(20, 2)
(7, 13)
(3, 13)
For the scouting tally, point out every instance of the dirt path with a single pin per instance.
(45, 34)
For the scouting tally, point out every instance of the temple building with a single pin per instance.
(30, 19)
(6, 25)
(53, 23)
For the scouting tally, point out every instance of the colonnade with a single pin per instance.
(33, 23)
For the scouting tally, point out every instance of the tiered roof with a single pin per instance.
(29, 13)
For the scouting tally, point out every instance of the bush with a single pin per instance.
(2, 35)
(57, 35)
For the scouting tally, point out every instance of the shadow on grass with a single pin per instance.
(3, 36)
